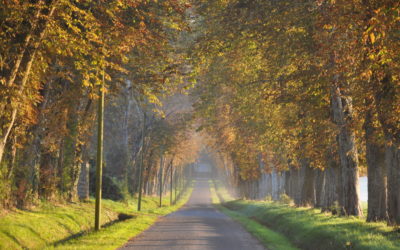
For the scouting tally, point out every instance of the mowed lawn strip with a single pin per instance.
(269, 238)
(60, 225)
(308, 228)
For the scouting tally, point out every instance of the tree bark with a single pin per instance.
(377, 186)
(308, 187)
(288, 182)
(342, 111)
(319, 187)
(299, 177)
(392, 160)
(386, 99)
(330, 192)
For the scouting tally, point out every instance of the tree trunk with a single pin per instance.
(2, 148)
(269, 185)
(308, 187)
(13, 158)
(392, 160)
(275, 185)
(330, 197)
(342, 111)
(161, 178)
(386, 99)
(377, 187)
(319, 187)
(288, 183)
(83, 184)
(140, 177)
(46, 182)
(299, 177)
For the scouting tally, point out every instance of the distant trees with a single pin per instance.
(304, 93)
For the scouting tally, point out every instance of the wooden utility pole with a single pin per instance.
(99, 167)
(161, 176)
(175, 186)
(141, 164)
(170, 186)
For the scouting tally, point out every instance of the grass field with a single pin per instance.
(308, 228)
(69, 226)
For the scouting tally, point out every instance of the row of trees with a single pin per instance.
(308, 90)
(53, 55)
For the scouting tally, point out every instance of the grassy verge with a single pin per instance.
(270, 239)
(308, 228)
(69, 226)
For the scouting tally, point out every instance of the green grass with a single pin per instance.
(308, 228)
(270, 239)
(222, 193)
(69, 226)
(364, 207)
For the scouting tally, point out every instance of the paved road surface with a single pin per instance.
(197, 225)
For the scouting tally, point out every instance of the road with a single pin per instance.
(197, 225)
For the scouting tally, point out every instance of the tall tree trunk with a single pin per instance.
(330, 194)
(83, 184)
(288, 183)
(127, 159)
(13, 160)
(140, 177)
(269, 185)
(46, 182)
(161, 178)
(342, 111)
(299, 177)
(34, 151)
(80, 148)
(377, 187)
(331, 183)
(319, 187)
(392, 160)
(308, 187)
(386, 99)
(275, 185)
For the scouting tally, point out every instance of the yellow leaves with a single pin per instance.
(372, 37)
(86, 83)
(371, 56)
(174, 25)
